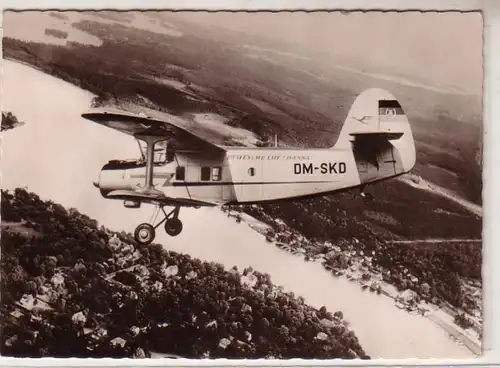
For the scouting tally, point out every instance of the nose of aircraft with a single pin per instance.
(96, 181)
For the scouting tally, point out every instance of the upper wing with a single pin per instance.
(134, 124)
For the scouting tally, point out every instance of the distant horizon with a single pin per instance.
(437, 39)
(439, 50)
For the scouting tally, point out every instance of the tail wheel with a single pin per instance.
(173, 226)
(144, 234)
(367, 197)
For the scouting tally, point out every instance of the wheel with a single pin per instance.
(144, 234)
(173, 226)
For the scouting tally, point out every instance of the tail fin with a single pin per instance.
(378, 132)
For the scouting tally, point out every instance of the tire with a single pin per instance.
(173, 226)
(144, 234)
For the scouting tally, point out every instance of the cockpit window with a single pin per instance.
(170, 153)
(180, 173)
(163, 152)
(205, 173)
(216, 173)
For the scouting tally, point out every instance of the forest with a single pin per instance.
(344, 221)
(98, 287)
(397, 211)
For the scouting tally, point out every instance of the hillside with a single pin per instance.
(72, 288)
(398, 212)
(439, 278)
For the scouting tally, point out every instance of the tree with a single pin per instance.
(339, 315)
(186, 315)
(9, 121)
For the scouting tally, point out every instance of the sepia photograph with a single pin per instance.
(241, 185)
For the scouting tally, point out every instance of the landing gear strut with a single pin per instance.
(145, 233)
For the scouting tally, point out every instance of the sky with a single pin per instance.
(443, 49)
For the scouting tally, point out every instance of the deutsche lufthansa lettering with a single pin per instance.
(269, 157)
(323, 168)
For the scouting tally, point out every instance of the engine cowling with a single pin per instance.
(129, 176)
(113, 176)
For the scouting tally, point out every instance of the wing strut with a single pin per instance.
(150, 140)
(140, 150)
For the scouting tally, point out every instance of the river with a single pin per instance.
(57, 154)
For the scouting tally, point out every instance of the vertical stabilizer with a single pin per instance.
(378, 132)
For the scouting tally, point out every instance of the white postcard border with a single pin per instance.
(491, 176)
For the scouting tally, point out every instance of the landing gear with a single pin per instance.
(145, 233)
(366, 196)
(173, 226)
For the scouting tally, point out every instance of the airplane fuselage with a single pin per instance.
(243, 175)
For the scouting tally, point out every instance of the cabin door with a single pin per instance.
(386, 160)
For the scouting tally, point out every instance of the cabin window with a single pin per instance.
(170, 153)
(205, 173)
(251, 171)
(180, 173)
(216, 173)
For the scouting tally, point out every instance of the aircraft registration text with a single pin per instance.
(323, 168)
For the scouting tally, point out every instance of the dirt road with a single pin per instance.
(431, 187)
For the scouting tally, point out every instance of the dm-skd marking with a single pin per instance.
(323, 168)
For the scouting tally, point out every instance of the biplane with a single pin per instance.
(375, 144)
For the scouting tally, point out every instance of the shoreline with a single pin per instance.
(427, 310)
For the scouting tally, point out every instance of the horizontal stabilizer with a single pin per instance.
(378, 135)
